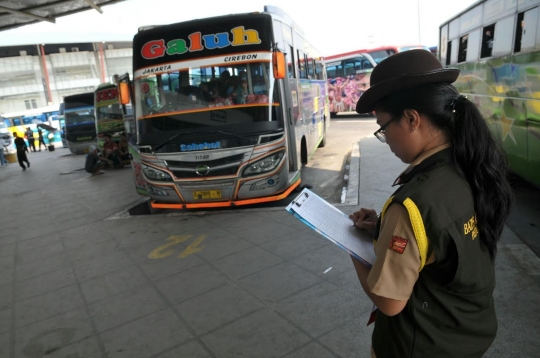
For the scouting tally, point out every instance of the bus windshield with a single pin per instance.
(80, 121)
(200, 97)
(77, 120)
(199, 89)
(109, 114)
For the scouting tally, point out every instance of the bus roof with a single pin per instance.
(105, 85)
(348, 55)
(79, 96)
(473, 5)
(380, 48)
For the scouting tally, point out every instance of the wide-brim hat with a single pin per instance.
(403, 71)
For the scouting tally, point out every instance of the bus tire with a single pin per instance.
(333, 114)
(322, 144)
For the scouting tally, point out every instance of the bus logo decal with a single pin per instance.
(197, 42)
(106, 95)
(202, 170)
(199, 146)
(154, 70)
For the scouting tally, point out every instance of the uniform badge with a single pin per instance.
(398, 244)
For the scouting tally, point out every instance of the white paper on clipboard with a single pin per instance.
(333, 224)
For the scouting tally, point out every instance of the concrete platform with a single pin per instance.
(80, 278)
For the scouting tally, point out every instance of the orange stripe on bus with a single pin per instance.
(227, 203)
(198, 110)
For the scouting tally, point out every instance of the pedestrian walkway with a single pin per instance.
(79, 277)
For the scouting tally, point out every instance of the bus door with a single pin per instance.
(125, 93)
(290, 98)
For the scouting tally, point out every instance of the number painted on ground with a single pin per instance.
(165, 250)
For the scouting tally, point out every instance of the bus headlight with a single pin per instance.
(155, 174)
(264, 165)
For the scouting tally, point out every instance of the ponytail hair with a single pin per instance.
(477, 155)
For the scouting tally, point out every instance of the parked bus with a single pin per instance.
(348, 78)
(80, 122)
(108, 113)
(349, 74)
(496, 46)
(62, 124)
(226, 116)
(44, 118)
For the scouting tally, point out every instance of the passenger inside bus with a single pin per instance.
(242, 92)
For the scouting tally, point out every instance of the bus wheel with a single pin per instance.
(333, 114)
(322, 144)
(303, 152)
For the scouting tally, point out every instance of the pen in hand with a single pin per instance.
(370, 219)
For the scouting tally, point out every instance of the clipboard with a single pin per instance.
(334, 225)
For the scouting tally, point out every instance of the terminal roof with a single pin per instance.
(20, 13)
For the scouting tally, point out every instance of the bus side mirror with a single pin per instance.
(278, 60)
(123, 92)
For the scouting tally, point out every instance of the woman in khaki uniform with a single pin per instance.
(436, 236)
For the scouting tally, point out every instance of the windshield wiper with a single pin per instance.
(253, 141)
(157, 147)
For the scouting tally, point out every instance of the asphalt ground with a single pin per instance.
(81, 277)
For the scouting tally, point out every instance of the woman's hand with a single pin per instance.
(364, 219)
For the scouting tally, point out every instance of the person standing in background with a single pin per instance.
(3, 162)
(21, 151)
(31, 140)
(41, 141)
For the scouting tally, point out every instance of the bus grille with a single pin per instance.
(218, 167)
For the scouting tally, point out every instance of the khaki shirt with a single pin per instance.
(397, 266)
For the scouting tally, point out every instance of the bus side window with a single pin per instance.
(301, 65)
(290, 62)
(16, 121)
(526, 30)
(487, 41)
(448, 52)
(366, 65)
(331, 71)
(462, 54)
(318, 70)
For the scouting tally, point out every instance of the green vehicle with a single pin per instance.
(496, 45)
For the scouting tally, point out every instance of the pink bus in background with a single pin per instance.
(348, 78)
(349, 73)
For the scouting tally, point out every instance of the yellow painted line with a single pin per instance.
(162, 251)
(193, 247)
(158, 253)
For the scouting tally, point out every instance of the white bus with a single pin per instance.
(227, 109)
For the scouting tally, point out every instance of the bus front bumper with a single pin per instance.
(225, 204)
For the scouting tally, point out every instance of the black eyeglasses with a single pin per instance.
(381, 132)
